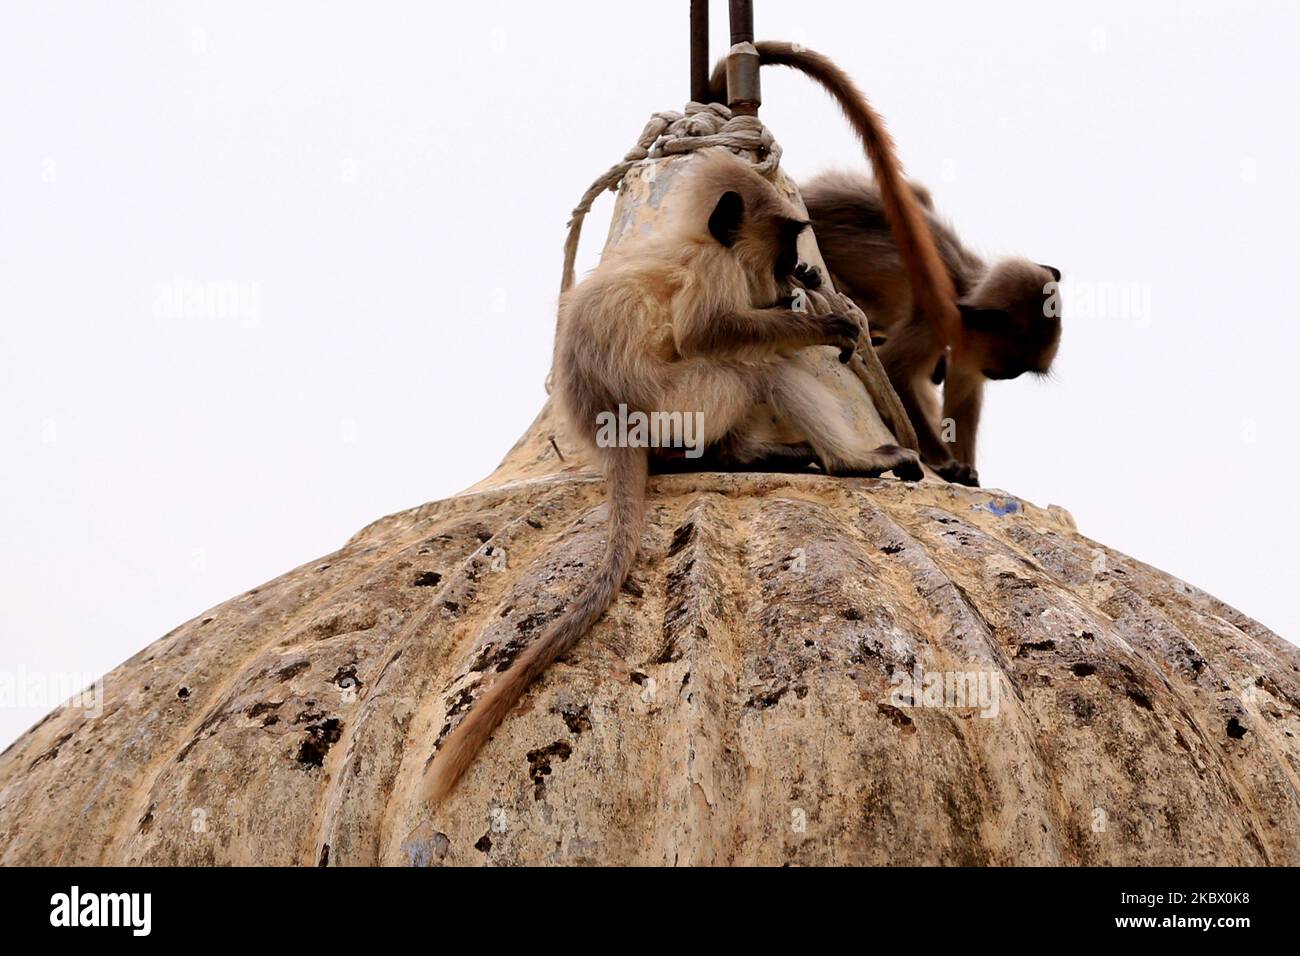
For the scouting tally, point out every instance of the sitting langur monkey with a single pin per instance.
(879, 244)
(685, 322)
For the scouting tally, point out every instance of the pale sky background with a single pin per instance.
(386, 186)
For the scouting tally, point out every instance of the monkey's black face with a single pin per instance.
(1008, 357)
(1009, 343)
(760, 232)
(787, 239)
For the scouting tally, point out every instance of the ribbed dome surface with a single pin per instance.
(737, 705)
(761, 692)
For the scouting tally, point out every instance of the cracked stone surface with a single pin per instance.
(801, 669)
(761, 693)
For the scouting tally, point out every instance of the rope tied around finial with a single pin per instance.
(712, 124)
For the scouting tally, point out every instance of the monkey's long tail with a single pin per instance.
(626, 478)
(932, 288)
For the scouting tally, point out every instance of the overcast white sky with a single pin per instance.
(384, 187)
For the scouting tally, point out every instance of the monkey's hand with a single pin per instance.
(959, 473)
(841, 331)
(810, 277)
(829, 300)
(806, 279)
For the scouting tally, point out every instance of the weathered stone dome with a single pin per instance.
(801, 669)
(740, 703)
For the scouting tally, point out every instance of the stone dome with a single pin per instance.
(779, 682)
(801, 669)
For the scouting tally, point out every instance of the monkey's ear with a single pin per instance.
(1056, 273)
(725, 221)
(983, 320)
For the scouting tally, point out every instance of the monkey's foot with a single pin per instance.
(901, 461)
(741, 453)
(959, 473)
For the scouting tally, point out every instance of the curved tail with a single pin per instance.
(625, 474)
(932, 288)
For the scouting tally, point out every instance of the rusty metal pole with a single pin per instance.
(742, 21)
(700, 51)
(742, 62)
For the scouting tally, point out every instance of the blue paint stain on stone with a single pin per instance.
(659, 185)
(624, 222)
(1002, 507)
(418, 852)
(423, 853)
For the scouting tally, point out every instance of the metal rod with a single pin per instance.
(743, 94)
(700, 51)
(742, 21)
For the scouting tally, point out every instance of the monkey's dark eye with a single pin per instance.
(1002, 375)
(984, 320)
(793, 228)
